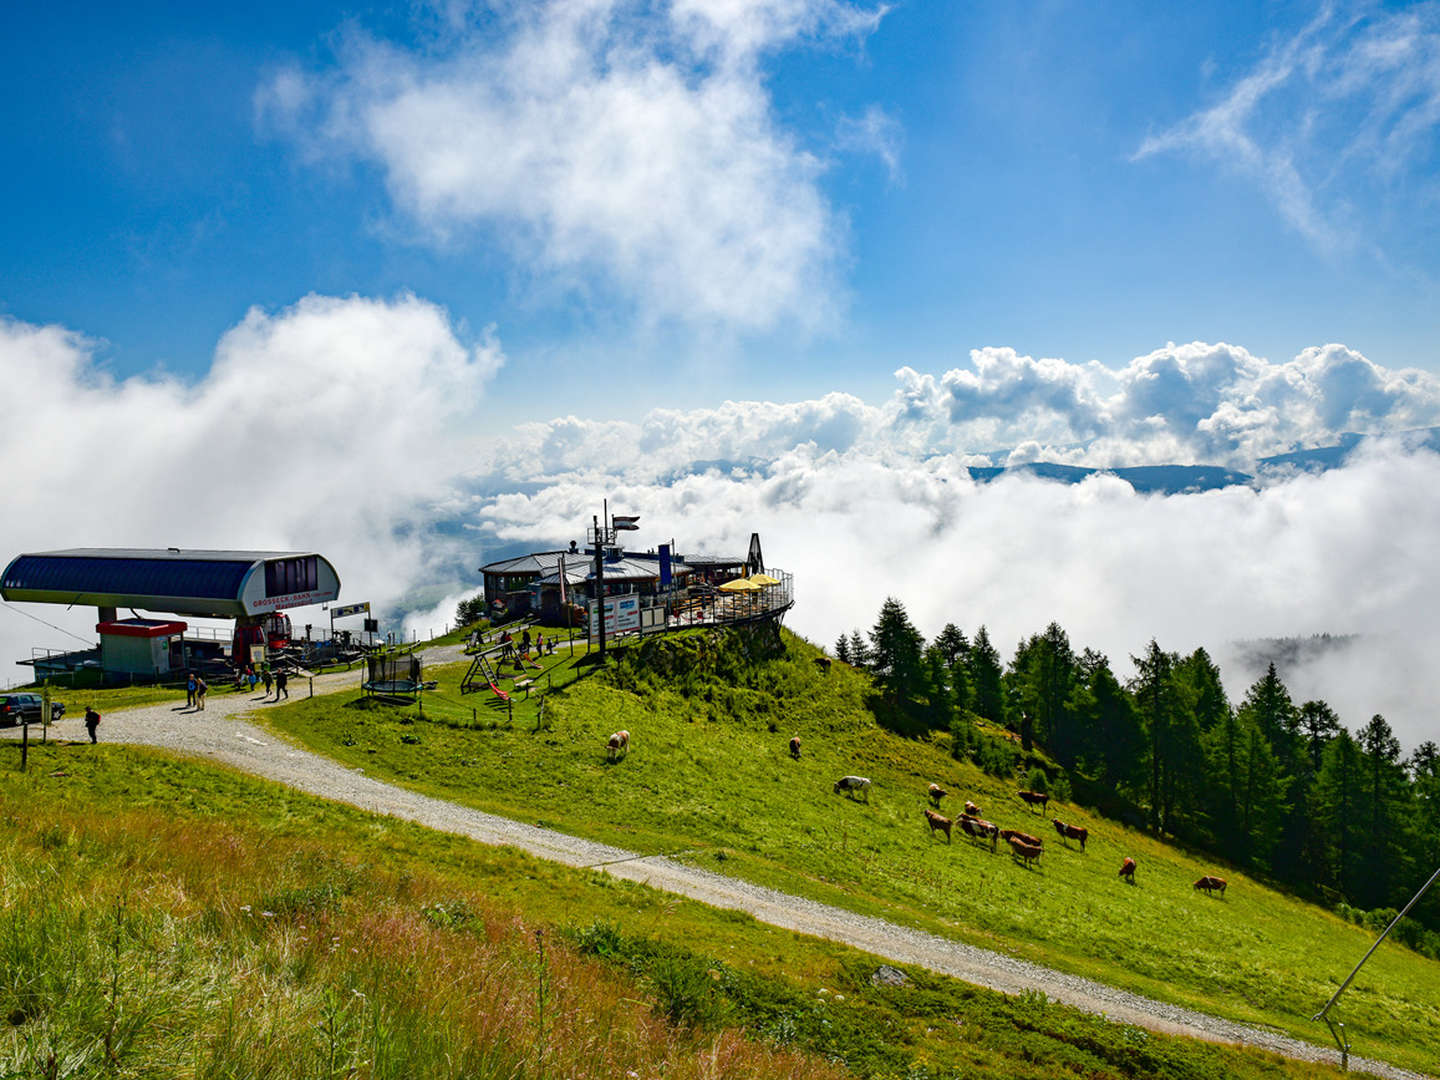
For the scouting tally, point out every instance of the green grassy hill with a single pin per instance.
(167, 918)
(709, 776)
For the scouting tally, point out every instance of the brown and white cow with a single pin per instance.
(937, 821)
(971, 809)
(795, 747)
(852, 784)
(1071, 832)
(1211, 885)
(1127, 870)
(1024, 838)
(1026, 853)
(1035, 798)
(619, 743)
(980, 829)
(823, 663)
(936, 793)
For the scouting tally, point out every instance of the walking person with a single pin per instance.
(265, 677)
(92, 721)
(252, 678)
(190, 691)
(200, 691)
(282, 684)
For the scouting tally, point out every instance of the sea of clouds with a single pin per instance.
(345, 425)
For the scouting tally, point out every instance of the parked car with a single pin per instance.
(26, 708)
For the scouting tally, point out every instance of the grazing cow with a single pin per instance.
(1035, 798)
(1211, 884)
(1024, 838)
(980, 829)
(1071, 832)
(1127, 870)
(971, 809)
(823, 663)
(852, 784)
(795, 747)
(936, 821)
(1026, 853)
(936, 794)
(619, 743)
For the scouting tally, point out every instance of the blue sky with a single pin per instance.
(153, 202)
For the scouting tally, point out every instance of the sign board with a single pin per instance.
(349, 609)
(622, 615)
(257, 654)
(665, 570)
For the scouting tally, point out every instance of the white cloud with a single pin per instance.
(334, 424)
(1340, 115)
(341, 424)
(626, 152)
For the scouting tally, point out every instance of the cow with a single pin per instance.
(1026, 853)
(795, 747)
(980, 829)
(823, 663)
(937, 793)
(971, 809)
(1071, 832)
(852, 784)
(1211, 884)
(937, 821)
(1024, 838)
(619, 743)
(1035, 798)
(1127, 870)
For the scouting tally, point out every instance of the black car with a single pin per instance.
(26, 708)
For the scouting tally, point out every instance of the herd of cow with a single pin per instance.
(1024, 847)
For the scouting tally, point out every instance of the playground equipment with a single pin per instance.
(392, 675)
(481, 675)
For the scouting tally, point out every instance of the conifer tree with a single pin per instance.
(986, 690)
(842, 648)
(1339, 807)
(896, 655)
(1318, 725)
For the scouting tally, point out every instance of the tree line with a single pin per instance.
(1281, 788)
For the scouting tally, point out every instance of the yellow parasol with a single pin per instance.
(764, 580)
(740, 585)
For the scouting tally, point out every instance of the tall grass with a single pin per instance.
(709, 774)
(135, 945)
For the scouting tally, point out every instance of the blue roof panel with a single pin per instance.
(199, 578)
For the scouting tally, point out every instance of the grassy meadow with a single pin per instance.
(709, 778)
(167, 918)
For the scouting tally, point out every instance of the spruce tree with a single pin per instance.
(842, 649)
(986, 691)
(896, 656)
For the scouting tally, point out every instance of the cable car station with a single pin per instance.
(253, 588)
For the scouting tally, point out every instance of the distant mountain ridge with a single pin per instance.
(1183, 479)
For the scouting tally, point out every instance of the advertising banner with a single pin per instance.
(622, 615)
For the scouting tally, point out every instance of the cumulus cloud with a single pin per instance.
(1341, 112)
(626, 150)
(332, 425)
(1183, 404)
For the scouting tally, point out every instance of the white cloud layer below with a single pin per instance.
(340, 424)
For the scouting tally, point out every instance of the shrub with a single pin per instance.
(1036, 780)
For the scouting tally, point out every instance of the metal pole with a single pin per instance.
(24, 743)
(599, 601)
(1344, 1046)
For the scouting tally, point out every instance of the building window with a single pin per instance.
(286, 576)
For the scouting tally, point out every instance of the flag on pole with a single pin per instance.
(562, 582)
(625, 522)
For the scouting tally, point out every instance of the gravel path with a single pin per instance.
(219, 734)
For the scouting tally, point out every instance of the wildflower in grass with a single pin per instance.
(245, 908)
(268, 914)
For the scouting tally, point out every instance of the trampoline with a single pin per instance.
(392, 676)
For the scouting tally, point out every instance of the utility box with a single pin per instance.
(147, 647)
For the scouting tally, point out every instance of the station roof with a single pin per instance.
(538, 562)
(190, 581)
